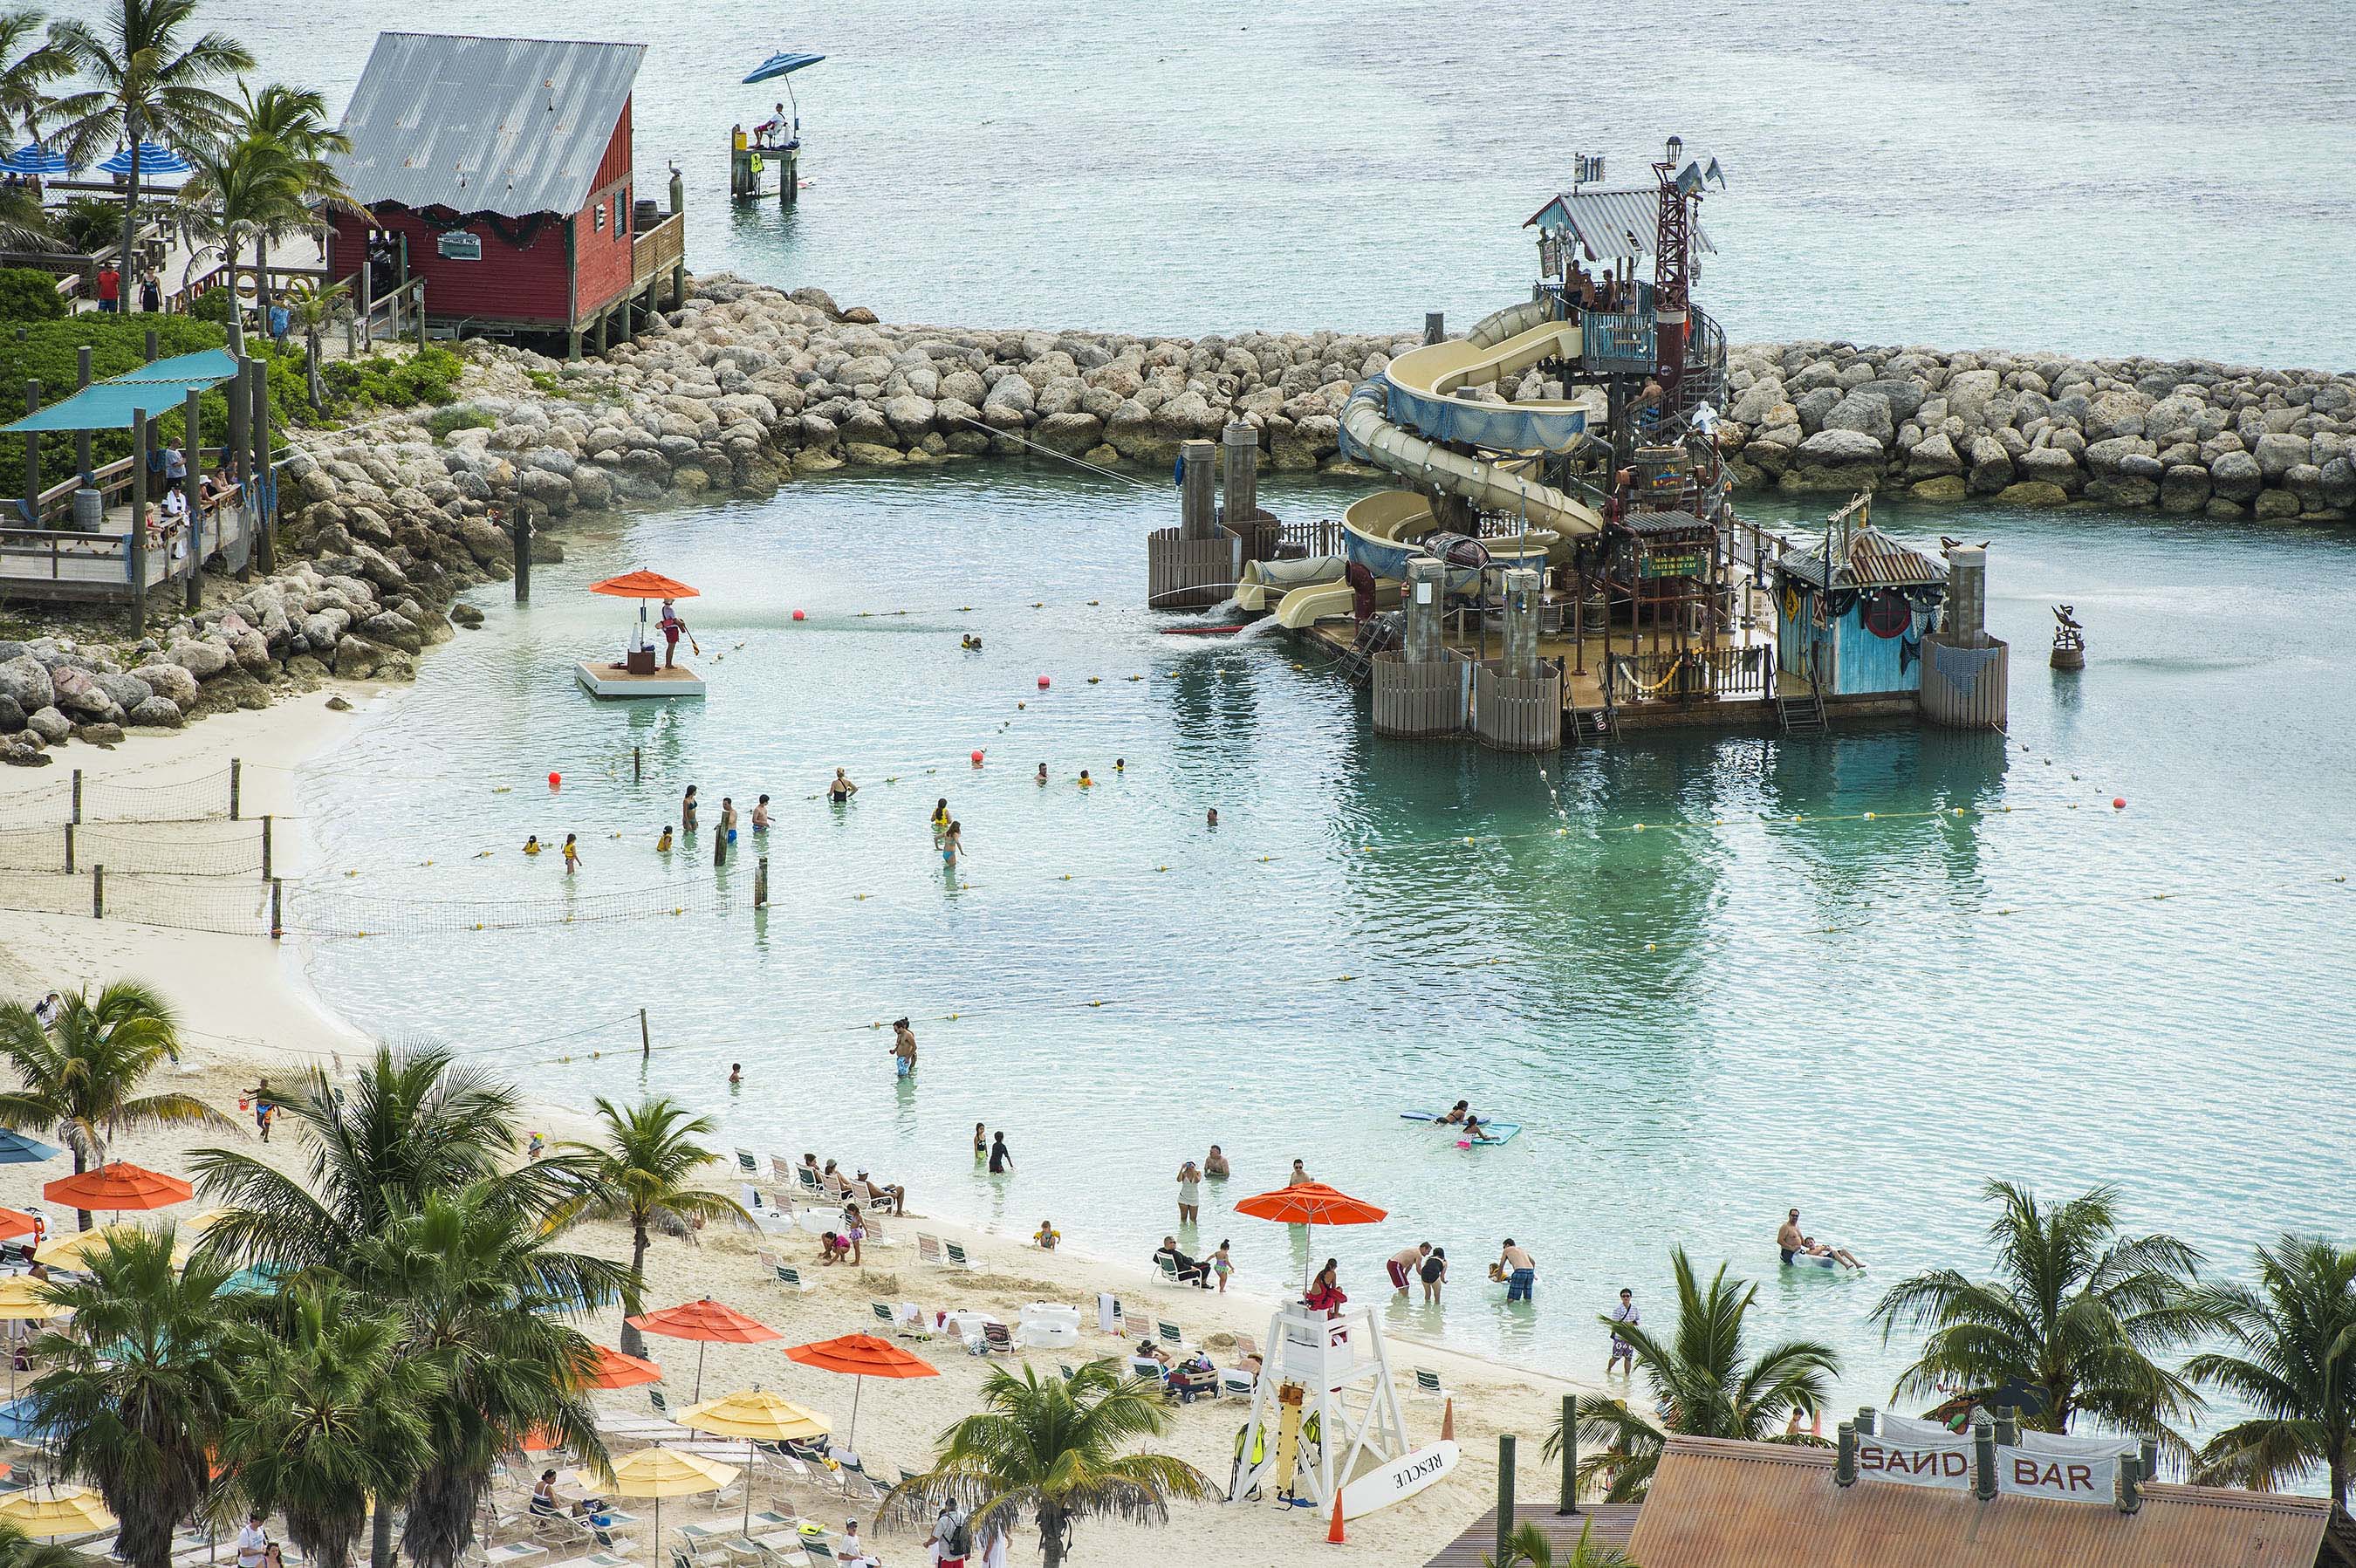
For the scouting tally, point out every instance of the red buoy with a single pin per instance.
(1043, 682)
(2118, 802)
(977, 759)
(556, 781)
(798, 616)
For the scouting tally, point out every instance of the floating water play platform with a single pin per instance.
(605, 679)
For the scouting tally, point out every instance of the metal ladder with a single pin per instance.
(1375, 634)
(1803, 714)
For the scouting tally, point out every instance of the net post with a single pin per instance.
(77, 795)
(266, 824)
(277, 908)
(761, 883)
(98, 893)
(69, 848)
(637, 764)
(646, 1040)
(236, 780)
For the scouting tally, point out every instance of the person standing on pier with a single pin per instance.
(672, 628)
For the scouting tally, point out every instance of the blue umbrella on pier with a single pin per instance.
(154, 158)
(34, 159)
(16, 1149)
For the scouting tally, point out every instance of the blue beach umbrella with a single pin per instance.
(154, 157)
(784, 62)
(16, 1149)
(34, 159)
(16, 1424)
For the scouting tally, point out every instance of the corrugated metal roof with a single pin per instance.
(1611, 224)
(1645, 519)
(1874, 560)
(508, 125)
(1717, 1503)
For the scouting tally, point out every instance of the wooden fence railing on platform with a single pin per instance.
(1671, 675)
(657, 250)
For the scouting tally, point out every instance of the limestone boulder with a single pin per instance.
(1072, 433)
(50, 725)
(2235, 477)
(2279, 454)
(1865, 413)
(26, 683)
(1991, 465)
(2184, 489)
(2104, 458)
(126, 691)
(2050, 466)
(1970, 392)
(1905, 397)
(1834, 460)
(1933, 456)
(156, 712)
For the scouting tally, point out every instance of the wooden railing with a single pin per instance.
(657, 250)
(1669, 676)
(1322, 537)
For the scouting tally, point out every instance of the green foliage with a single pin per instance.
(644, 1173)
(428, 375)
(2292, 1362)
(28, 293)
(1530, 1547)
(445, 422)
(215, 304)
(88, 224)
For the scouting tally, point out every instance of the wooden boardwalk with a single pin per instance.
(1613, 1522)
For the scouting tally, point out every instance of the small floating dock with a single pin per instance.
(611, 681)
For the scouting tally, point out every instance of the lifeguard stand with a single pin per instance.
(1327, 1376)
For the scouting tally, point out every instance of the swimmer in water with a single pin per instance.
(735, 1074)
(728, 818)
(687, 810)
(571, 853)
(533, 844)
(1474, 1133)
(940, 818)
(761, 815)
(662, 845)
(951, 843)
(1120, 764)
(1211, 818)
(839, 787)
(1043, 773)
(1087, 782)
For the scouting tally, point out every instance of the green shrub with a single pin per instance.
(214, 304)
(28, 293)
(444, 423)
(428, 375)
(88, 224)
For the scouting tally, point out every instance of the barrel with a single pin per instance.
(89, 510)
(645, 213)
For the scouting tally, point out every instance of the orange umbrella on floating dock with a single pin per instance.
(118, 1186)
(861, 1356)
(637, 676)
(707, 1322)
(1312, 1204)
(644, 585)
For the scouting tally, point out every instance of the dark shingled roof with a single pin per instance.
(1874, 560)
(513, 126)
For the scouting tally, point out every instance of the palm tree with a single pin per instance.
(137, 1396)
(311, 310)
(81, 1078)
(481, 1288)
(27, 67)
(244, 189)
(642, 1175)
(1702, 1385)
(335, 1415)
(1056, 1449)
(2296, 1338)
(293, 121)
(2075, 1317)
(411, 1126)
(1530, 1547)
(148, 80)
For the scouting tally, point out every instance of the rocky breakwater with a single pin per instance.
(2186, 436)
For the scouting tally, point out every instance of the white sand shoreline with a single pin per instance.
(247, 1006)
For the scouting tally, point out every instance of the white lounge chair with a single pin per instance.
(928, 1249)
(955, 1256)
(791, 1278)
(1428, 1389)
(1236, 1382)
(746, 1162)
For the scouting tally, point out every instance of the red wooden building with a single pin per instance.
(498, 172)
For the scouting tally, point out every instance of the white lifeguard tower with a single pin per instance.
(1323, 1413)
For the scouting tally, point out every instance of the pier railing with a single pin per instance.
(1322, 537)
(658, 249)
(1724, 673)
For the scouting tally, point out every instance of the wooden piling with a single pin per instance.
(1570, 1455)
(646, 1039)
(761, 883)
(152, 345)
(77, 795)
(268, 822)
(236, 780)
(69, 848)
(520, 531)
(98, 893)
(191, 491)
(138, 536)
(277, 908)
(1505, 1492)
(637, 764)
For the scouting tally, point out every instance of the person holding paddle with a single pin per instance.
(673, 629)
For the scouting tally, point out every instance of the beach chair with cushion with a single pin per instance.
(781, 1167)
(1169, 1271)
(998, 1339)
(818, 1551)
(1145, 1367)
(1429, 1388)
(791, 1278)
(955, 1256)
(928, 1249)
(1236, 1382)
(1168, 1332)
(808, 1180)
(768, 1260)
(1247, 1346)
(746, 1162)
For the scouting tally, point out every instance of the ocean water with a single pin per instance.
(1759, 998)
(1958, 173)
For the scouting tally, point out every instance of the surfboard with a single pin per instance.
(1499, 1132)
(1399, 1480)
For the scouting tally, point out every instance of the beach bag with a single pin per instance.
(960, 1540)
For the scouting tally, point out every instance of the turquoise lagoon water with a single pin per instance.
(1760, 999)
(2170, 179)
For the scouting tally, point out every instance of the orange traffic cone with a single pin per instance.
(1334, 1535)
(1448, 1422)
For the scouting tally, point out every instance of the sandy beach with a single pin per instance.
(245, 1010)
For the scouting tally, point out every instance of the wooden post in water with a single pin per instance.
(637, 764)
(138, 535)
(1435, 327)
(646, 1040)
(191, 491)
(1570, 1455)
(761, 883)
(261, 505)
(81, 438)
(1505, 1492)
(520, 529)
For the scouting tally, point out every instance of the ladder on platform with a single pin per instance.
(1377, 634)
(1803, 713)
(1588, 724)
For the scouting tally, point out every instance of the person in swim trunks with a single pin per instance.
(1404, 1266)
(1791, 1244)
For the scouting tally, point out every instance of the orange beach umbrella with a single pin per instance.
(118, 1186)
(1312, 1203)
(707, 1322)
(643, 586)
(17, 1222)
(612, 1370)
(861, 1356)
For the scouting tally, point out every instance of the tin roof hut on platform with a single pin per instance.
(1852, 609)
(497, 176)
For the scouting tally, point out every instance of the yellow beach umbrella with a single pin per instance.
(198, 1224)
(73, 1249)
(24, 1299)
(52, 1511)
(756, 1415)
(660, 1473)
